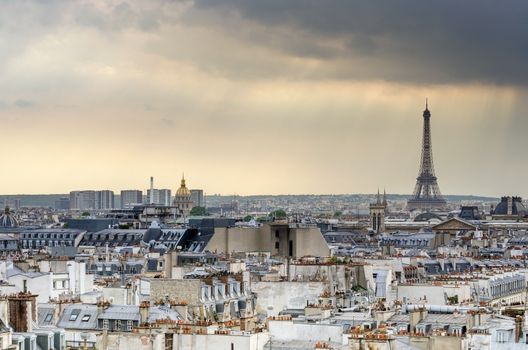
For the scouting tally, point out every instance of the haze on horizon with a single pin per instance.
(262, 97)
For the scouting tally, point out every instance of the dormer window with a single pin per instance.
(75, 313)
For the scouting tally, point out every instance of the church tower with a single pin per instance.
(385, 202)
(377, 214)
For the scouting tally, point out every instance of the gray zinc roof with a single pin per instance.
(46, 314)
(163, 313)
(121, 312)
(86, 317)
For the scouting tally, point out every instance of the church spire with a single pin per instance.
(378, 201)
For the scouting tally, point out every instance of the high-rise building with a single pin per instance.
(91, 200)
(74, 200)
(164, 196)
(197, 197)
(82, 200)
(157, 196)
(105, 200)
(131, 198)
(426, 192)
(62, 203)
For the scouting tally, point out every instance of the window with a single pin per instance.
(105, 324)
(48, 317)
(277, 245)
(118, 325)
(75, 313)
(277, 233)
(129, 325)
(86, 318)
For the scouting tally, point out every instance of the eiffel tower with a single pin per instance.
(426, 192)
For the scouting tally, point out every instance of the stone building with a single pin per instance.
(42, 238)
(280, 239)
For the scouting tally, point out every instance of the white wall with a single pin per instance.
(287, 330)
(40, 285)
(116, 296)
(155, 341)
(273, 297)
(415, 293)
(254, 341)
(71, 279)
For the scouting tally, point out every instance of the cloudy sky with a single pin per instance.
(262, 97)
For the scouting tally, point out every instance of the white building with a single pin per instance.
(56, 279)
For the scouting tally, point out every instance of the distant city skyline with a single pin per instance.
(262, 97)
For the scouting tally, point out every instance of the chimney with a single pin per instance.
(22, 312)
(415, 316)
(144, 311)
(102, 305)
(123, 279)
(151, 200)
(518, 328)
(4, 309)
(181, 308)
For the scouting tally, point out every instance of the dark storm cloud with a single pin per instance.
(415, 41)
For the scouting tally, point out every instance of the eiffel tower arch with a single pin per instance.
(426, 194)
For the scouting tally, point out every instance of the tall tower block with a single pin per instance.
(426, 192)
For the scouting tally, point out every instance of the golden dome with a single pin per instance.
(183, 191)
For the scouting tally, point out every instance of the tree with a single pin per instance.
(248, 218)
(85, 213)
(452, 300)
(199, 211)
(333, 260)
(278, 214)
(338, 214)
(262, 219)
